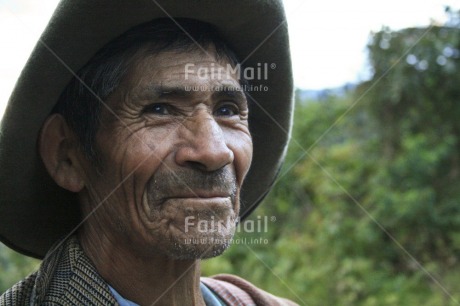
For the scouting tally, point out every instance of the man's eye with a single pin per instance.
(157, 108)
(227, 110)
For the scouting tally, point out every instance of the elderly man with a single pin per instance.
(132, 123)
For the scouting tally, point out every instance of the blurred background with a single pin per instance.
(366, 209)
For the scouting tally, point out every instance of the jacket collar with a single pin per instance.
(67, 277)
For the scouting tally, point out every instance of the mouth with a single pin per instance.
(199, 199)
(192, 185)
(211, 203)
(198, 194)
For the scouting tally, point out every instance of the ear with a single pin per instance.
(58, 150)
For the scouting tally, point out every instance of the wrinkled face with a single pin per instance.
(175, 148)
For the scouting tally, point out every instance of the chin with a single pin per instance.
(200, 246)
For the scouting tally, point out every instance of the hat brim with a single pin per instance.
(34, 211)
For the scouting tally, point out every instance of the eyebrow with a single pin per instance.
(230, 92)
(164, 91)
(161, 91)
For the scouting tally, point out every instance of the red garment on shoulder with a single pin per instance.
(235, 291)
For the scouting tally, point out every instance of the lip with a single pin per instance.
(198, 194)
(198, 201)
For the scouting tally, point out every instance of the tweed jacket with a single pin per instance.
(67, 277)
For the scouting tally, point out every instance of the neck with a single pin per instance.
(153, 280)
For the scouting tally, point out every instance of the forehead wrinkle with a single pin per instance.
(163, 91)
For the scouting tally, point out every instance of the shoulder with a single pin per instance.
(65, 277)
(237, 291)
(19, 294)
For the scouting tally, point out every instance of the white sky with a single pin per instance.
(328, 37)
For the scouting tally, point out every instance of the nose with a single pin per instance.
(204, 147)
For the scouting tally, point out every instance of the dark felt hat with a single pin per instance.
(34, 211)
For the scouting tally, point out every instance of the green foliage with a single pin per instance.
(414, 104)
(370, 213)
(14, 267)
